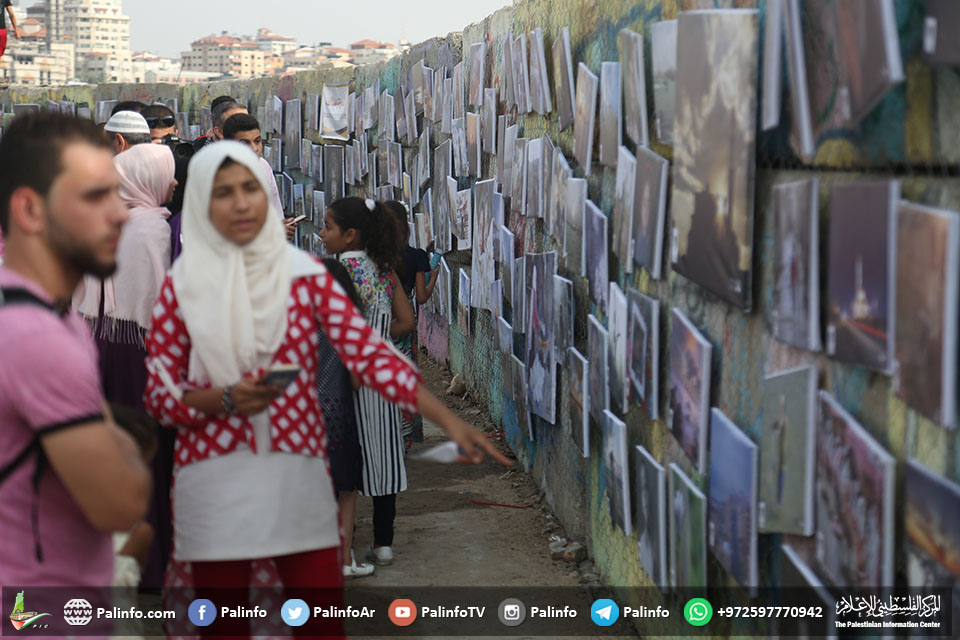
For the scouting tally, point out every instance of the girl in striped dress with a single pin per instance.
(366, 238)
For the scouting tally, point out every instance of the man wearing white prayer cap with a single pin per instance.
(127, 128)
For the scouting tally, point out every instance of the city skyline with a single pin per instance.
(162, 33)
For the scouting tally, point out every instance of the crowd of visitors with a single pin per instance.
(180, 385)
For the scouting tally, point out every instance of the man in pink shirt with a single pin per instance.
(68, 475)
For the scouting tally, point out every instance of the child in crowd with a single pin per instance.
(416, 263)
(132, 549)
(335, 387)
(365, 236)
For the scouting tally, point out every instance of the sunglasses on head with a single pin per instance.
(166, 121)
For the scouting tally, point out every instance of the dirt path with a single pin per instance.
(438, 525)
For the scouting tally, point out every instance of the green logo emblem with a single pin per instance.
(21, 619)
(698, 612)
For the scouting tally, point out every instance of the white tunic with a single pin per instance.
(246, 505)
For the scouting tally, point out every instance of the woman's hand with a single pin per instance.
(251, 397)
(475, 443)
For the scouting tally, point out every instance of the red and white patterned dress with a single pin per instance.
(260, 487)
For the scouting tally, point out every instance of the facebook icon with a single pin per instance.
(202, 612)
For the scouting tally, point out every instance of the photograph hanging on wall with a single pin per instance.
(663, 53)
(585, 116)
(927, 268)
(506, 70)
(579, 388)
(400, 113)
(319, 207)
(387, 122)
(541, 357)
(797, 576)
(423, 157)
(410, 111)
(772, 67)
(637, 343)
(316, 162)
(846, 82)
(348, 167)
(306, 154)
(634, 86)
(932, 526)
(459, 91)
(334, 111)
(520, 296)
(941, 47)
(443, 205)
(506, 264)
(796, 264)
(473, 143)
(712, 201)
(477, 72)
(509, 153)
(855, 494)
(861, 271)
(558, 200)
(618, 471)
(650, 210)
(463, 310)
(649, 396)
(732, 527)
(519, 176)
(524, 421)
(333, 166)
(394, 164)
(462, 223)
(461, 157)
(651, 512)
(299, 208)
(546, 187)
(482, 259)
(533, 190)
(687, 517)
(521, 79)
(618, 326)
(446, 119)
(536, 75)
(598, 356)
(624, 201)
(690, 355)
(576, 206)
(563, 315)
(563, 83)
(787, 452)
(595, 254)
(611, 99)
(489, 120)
(505, 335)
(292, 135)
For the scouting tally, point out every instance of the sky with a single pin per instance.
(168, 27)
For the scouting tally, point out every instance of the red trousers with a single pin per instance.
(3, 41)
(313, 576)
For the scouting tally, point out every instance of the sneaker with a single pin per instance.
(380, 555)
(354, 570)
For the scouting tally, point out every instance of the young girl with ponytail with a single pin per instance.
(366, 238)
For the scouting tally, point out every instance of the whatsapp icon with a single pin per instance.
(698, 612)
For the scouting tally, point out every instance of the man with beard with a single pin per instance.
(68, 475)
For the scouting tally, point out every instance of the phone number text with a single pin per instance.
(770, 612)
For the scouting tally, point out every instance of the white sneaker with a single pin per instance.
(380, 555)
(354, 570)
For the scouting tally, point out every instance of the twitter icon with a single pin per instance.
(295, 612)
(604, 612)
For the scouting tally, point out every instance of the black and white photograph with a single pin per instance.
(636, 344)
(489, 124)
(333, 169)
(292, 135)
(461, 156)
(573, 242)
(482, 267)
(579, 389)
(618, 326)
(459, 89)
(473, 143)
(558, 203)
(563, 315)
(533, 191)
(477, 73)
(334, 112)
(541, 357)
(521, 79)
(646, 383)
(394, 164)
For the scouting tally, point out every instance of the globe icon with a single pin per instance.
(77, 612)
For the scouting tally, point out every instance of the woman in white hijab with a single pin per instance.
(251, 480)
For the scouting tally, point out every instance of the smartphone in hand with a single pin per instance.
(280, 375)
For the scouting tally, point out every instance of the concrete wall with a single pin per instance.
(911, 135)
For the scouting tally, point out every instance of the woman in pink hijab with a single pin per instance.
(119, 310)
